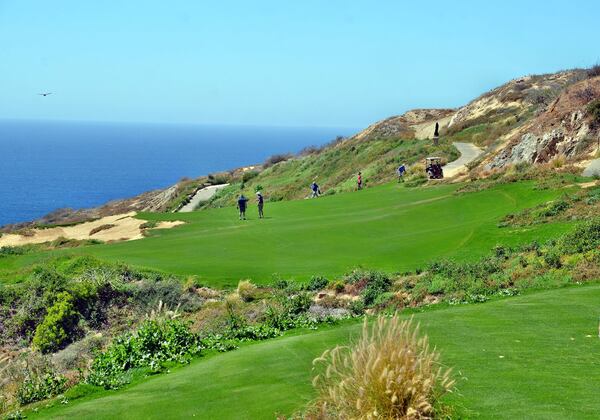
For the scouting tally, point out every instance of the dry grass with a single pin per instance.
(246, 290)
(390, 373)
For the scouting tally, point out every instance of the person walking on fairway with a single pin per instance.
(359, 181)
(315, 190)
(261, 203)
(241, 204)
(401, 171)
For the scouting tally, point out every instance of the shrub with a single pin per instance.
(298, 304)
(275, 159)
(583, 238)
(553, 209)
(373, 284)
(58, 326)
(36, 388)
(594, 71)
(593, 110)
(248, 175)
(338, 286)
(356, 307)
(390, 372)
(153, 344)
(317, 283)
(416, 180)
(11, 250)
(150, 224)
(552, 258)
(101, 228)
(246, 290)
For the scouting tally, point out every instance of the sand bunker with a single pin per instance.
(120, 227)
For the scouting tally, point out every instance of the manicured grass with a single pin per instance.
(523, 357)
(389, 228)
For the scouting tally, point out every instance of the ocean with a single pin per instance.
(49, 165)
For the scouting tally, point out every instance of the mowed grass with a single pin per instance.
(388, 228)
(533, 356)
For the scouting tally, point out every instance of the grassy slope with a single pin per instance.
(549, 368)
(335, 168)
(389, 228)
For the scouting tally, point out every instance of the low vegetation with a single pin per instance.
(101, 228)
(579, 205)
(391, 372)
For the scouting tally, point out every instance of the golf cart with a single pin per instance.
(433, 167)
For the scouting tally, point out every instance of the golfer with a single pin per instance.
(261, 203)
(241, 205)
(359, 181)
(401, 171)
(315, 190)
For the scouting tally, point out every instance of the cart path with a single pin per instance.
(200, 196)
(468, 153)
(593, 168)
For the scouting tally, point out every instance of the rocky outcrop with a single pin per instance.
(563, 129)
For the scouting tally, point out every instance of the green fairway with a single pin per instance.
(389, 228)
(535, 356)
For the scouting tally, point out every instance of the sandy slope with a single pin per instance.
(202, 195)
(425, 130)
(126, 227)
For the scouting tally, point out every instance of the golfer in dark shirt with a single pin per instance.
(241, 204)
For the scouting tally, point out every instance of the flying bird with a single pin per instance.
(45, 93)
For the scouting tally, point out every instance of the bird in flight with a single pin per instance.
(45, 93)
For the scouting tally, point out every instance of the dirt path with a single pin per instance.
(468, 153)
(593, 168)
(202, 195)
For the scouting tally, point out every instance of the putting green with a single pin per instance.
(533, 356)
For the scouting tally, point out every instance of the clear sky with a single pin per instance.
(280, 62)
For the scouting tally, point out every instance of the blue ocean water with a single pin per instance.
(49, 165)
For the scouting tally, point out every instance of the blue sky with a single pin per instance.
(310, 62)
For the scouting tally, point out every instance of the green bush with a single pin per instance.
(36, 388)
(298, 304)
(154, 343)
(373, 290)
(585, 237)
(416, 180)
(11, 250)
(317, 283)
(372, 283)
(553, 209)
(58, 326)
(552, 259)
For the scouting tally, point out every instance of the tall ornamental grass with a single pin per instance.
(390, 373)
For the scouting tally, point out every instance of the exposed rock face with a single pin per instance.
(540, 149)
(563, 129)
